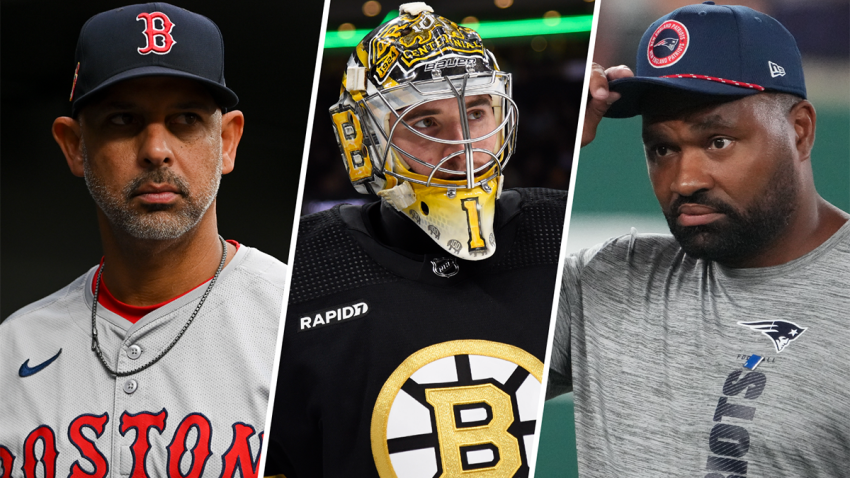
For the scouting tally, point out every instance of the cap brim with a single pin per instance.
(223, 96)
(633, 91)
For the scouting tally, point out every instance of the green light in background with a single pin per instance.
(488, 30)
(535, 26)
(390, 15)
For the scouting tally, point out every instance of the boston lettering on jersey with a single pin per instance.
(237, 456)
(730, 442)
(333, 315)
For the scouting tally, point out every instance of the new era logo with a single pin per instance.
(775, 70)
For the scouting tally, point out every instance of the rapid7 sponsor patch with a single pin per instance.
(333, 315)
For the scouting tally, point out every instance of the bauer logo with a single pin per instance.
(459, 408)
(668, 44)
(451, 63)
(340, 313)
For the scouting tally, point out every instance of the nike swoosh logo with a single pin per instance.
(26, 370)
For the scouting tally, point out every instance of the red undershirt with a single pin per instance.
(133, 312)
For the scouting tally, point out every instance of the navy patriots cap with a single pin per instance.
(152, 39)
(710, 49)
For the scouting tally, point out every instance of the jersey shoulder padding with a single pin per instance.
(328, 259)
(264, 267)
(537, 240)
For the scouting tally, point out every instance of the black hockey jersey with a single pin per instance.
(401, 363)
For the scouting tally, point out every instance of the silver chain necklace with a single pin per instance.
(95, 345)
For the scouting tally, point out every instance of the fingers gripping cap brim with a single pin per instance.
(223, 96)
(634, 92)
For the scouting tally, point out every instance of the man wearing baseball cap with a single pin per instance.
(157, 361)
(719, 351)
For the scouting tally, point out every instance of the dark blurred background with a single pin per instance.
(47, 219)
(548, 71)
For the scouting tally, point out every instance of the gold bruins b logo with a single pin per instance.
(466, 407)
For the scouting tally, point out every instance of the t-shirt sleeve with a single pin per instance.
(569, 306)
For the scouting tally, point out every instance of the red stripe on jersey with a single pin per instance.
(134, 312)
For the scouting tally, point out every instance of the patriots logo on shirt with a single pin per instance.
(781, 332)
(668, 42)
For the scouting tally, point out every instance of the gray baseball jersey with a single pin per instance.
(683, 367)
(199, 411)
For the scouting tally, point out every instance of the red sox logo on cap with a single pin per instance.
(157, 33)
(668, 44)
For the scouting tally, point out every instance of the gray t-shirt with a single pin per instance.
(660, 341)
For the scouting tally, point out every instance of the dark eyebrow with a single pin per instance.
(478, 102)
(419, 114)
(649, 134)
(429, 112)
(711, 122)
(648, 137)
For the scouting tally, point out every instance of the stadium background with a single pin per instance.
(48, 221)
(612, 190)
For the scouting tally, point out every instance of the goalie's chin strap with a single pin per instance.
(399, 197)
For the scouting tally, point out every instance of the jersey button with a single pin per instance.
(134, 352)
(130, 386)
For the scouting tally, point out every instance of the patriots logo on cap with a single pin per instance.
(781, 332)
(668, 42)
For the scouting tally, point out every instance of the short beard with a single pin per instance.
(159, 221)
(741, 235)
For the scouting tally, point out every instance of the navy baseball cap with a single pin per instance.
(709, 49)
(152, 39)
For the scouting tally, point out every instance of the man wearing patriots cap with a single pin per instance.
(157, 361)
(719, 351)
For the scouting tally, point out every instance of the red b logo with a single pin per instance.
(158, 37)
